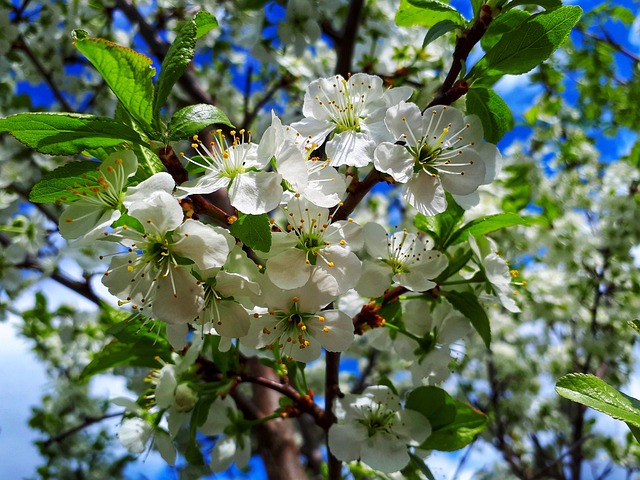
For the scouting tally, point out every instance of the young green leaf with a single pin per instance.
(253, 230)
(127, 72)
(488, 224)
(546, 4)
(494, 113)
(522, 49)
(503, 23)
(179, 56)
(205, 22)
(67, 133)
(454, 424)
(192, 119)
(594, 392)
(426, 13)
(67, 183)
(438, 30)
(635, 324)
(467, 304)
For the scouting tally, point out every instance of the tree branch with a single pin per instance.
(451, 90)
(88, 421)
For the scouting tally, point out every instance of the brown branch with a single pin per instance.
(452, 89)
(32, 263)
(345, 46)
(356, 193)
(88, 421)
(250, 115)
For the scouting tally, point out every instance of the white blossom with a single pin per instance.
(101, 205)
(433, 152)
(151, 275)
(350, 111)
(401, 258)
(315, 244)
(296, 324)
(374, 428)
(237, 168)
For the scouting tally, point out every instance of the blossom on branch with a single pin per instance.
(435, 151)
(373, 427)
(315, 244)
(237, 168)
(350, 113)
(402, 258)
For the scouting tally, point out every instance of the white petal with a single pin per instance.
(464, 174)
(394, 160)
(179, 297)
(339, 330)
(160, 182)
(350, 148)
(345, 440)
(177, 335)
(385, 453)
(165, 446)
(134, 434)
(208, 183)
(87, 220)
(223, 453)
(313, 129)
(165, 390)
(218, 416)
(159, 212)
(256, 192)
(413, 426)
(342, 265)
(350, 232)
(375, 279)
(405, 122)
(207, 246)
(425, 194)
(232, 319)
(288, 269)
(325, 187)
(291, 164)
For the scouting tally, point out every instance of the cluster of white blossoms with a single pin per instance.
(173, 267)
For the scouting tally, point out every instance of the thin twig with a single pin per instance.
(88, 421)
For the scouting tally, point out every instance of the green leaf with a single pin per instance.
(127, 72)
(454, 424)
(635, 324)
(442, 225)
(594, 392)
(179, 56)
(488, 224)
(546, 4)
(253, 230)
(205, 22)
(503, 23)
(467, 304)
(635, 431)
(457, 260)
(428, 225)
(192, 119)
(522, 49)
(67, 133)
(133, 345)
(67, 183)
(494, 113)
(426, 13)
(438, 30)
